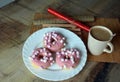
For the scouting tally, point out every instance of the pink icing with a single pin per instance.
(54, 41)
(68, 58)
(42, 57)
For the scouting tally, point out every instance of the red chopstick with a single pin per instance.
(68, 19)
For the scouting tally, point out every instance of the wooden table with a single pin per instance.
(112, 24)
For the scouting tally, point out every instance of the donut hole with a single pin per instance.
(67, 57)
(52, 40)
(39, 57)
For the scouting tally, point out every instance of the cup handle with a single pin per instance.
(111, 48)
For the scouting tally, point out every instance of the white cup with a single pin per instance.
(99, 39)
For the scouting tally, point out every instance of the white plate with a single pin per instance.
(54, 73)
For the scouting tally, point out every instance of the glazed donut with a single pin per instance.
(54, 41)
(68, 58)
(42, 58)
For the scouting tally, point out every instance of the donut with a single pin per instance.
(42, 58)
(54, 41)
(68, 58)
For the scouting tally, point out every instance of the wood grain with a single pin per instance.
(108, 8)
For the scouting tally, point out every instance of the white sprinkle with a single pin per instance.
(51, 58)
(46, 38)
(61, 41)
(33, 56)
(55, 35)
(51, 63)
(71, 57)
(62, 59)
(64, 44)
(70, 52)
(66, 53)
(41, 50)
(30, 58)
(44, 61)
(66, 59)
(57, 53)
(78, 56)
(54, 38)
(72, 61)
(36, 53)
(63, 49)
(46, 58)
(63, 38)
(73, 53)
(75, 49)
(53, 43)
(48, 46)
(44, 49)
(77, 52)
(45, 53)
(62, 52)
(58, 56)
(47, 34)
(41, 60)
(49, 54)
(64, 66)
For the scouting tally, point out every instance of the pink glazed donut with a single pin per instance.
(68, 58)
(42, 58)
(54, 41)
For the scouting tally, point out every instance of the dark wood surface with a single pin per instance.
(99, 8)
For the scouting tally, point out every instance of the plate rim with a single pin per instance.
(74, 68)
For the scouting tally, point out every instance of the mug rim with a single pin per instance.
(103, 27)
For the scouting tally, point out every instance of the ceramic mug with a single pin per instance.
(99, 39)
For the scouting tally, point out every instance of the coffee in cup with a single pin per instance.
(99, 39)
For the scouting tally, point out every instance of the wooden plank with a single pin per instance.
(108, 8)
(17, 13)
(77, 7)
(72, 9)
(50, 19)
(111, 9)
(36, 5)
(11, 33)
(67, 26)
(93, 6)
